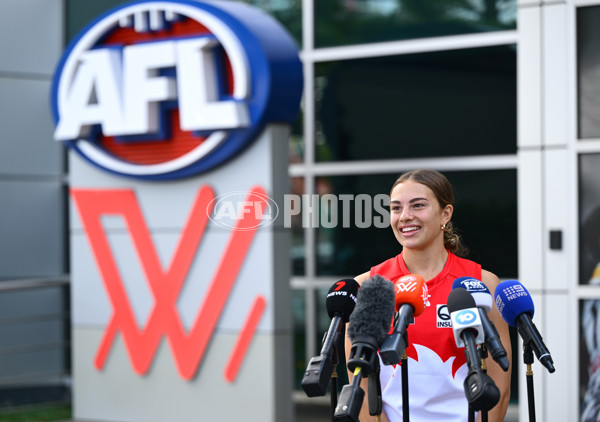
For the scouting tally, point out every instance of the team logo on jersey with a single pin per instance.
(443, 317)
(172, 88)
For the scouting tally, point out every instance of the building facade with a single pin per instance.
(498, 95)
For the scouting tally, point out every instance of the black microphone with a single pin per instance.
(516, 307)
(340, 303)
(484, 302)
(369, 324)
(480, 390)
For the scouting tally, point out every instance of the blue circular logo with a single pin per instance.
(173, 88)
(465, 316)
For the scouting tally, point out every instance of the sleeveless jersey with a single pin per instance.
(436, 367)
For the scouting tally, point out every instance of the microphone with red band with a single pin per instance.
(411, 299)
(480, 390)
(340, 303)
(484, 302)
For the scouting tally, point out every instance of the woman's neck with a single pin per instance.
(427, 263)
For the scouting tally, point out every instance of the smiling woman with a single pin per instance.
(421, 208)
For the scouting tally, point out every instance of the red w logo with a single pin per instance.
(165, 285)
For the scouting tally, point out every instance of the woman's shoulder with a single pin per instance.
(490, 279)
(361, 278)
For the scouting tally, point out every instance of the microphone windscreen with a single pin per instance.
(411, 289)
(513, 299)
(374, 310)
(341, 298)
(481, 294)
(459, 299)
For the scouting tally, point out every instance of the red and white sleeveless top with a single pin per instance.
(436, 367)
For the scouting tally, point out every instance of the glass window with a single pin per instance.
(80, 13)
(298, 311)
(589, 357)
(589, 219)
(588, 71)
(485, 214)
(298, 249)
(340, 22)
(287, 12)
(296, 144)
(453, 103)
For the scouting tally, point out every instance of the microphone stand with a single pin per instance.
(404, 369)
(528, 360)
(484, 354)
(484, 414)
(363, 362)
(320, 368)
(374, 398)
(334, 379)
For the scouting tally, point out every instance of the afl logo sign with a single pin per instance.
(169, 89)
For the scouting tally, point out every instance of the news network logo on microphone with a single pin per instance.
(162, 90)
(340, 290)
(464, 318)
(511, 292)
(473, 285)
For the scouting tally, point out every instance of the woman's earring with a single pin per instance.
(443, 227)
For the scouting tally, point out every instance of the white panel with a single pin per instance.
(555, 74)
(91, 304)
(157, 198)
(27, 146)
(554, 330)
(529, 83)
(527, 3)
(557, 202)
(31, 35)
(118, 394)
(530, 212)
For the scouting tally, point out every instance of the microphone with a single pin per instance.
(516, 307)
(483, 300)
(480, 390)
(340, 303)
(411, 300)
(369, 324)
